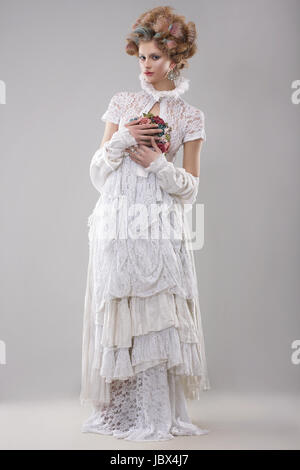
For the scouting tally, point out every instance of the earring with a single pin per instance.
(172, 74)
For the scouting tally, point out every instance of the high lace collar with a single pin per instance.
(181, 85)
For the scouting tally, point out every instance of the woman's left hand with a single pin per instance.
(143, 154)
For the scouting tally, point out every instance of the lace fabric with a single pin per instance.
(186, 120)
(147, 407)
(143, 347)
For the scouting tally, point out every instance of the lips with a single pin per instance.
(148, 73)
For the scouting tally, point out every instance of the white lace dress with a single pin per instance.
(143, 348)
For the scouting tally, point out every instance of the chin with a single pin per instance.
(149, 77)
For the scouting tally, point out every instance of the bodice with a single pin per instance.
(187, 121)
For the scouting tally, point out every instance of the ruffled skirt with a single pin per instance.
(143, 361)
(143, 350)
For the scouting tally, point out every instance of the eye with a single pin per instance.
(154, 56)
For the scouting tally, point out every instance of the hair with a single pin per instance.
(172, 35)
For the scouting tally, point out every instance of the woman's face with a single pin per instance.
(151, 59)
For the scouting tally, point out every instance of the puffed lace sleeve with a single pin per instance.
(194, 125)
(109, 156)
(114, 110)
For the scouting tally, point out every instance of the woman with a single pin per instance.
(143, 347)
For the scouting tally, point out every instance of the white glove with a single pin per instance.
(180, 184)
(109, 157)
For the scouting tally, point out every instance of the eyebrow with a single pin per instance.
(152, 53)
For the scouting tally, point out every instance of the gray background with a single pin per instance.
(61, 62)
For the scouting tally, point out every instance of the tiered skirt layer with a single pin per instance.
(133, 334)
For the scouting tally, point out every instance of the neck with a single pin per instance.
(164, 85)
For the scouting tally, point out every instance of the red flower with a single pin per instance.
(158, 120)
(164, 140)
(163, 146)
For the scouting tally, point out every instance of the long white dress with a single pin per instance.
(143, 349)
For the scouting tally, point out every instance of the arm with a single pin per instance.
(183, 183)
(109, 156)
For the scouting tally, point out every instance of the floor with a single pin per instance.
(234, 421)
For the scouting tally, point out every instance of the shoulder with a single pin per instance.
(124, 95)
(191, 111)
(193, 122)
(118, 105)
(122, 98)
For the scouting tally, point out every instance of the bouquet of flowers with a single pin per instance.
(164, 142)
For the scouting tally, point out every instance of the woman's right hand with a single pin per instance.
(143, 132)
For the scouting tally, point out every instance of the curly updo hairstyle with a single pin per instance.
(172, 35)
